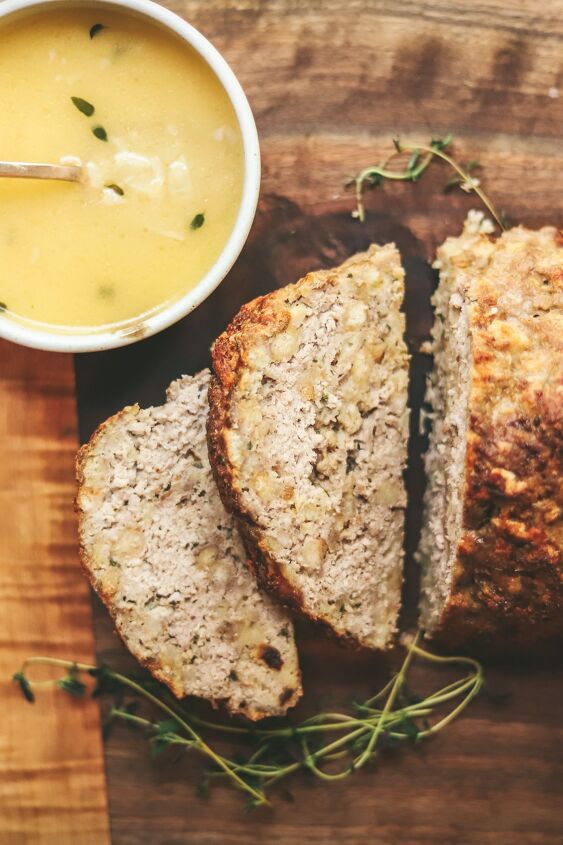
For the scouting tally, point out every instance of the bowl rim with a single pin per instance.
(82, 341)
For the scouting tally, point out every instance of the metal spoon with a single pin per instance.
(30, 170)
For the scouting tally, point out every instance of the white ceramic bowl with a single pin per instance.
(82, 341)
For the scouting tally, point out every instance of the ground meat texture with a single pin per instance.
(161, 551)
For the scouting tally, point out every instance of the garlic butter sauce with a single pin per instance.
(160, 143)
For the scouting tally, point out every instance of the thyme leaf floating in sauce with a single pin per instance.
(100, 133)
(198, 221)
(95, 29)
(3, 307)
(107, 292)
(116, 189)
(83, 106)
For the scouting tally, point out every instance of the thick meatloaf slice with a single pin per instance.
(308, 432)
(491, 547)
(165, 558)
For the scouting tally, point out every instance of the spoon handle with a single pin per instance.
(29, 170)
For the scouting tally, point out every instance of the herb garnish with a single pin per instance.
(3, 307)
(329, 745)
(83, 106)
(71, 683)
(458, 181)
(198, 221)
(100, 133)
(419, 159)
(24, 685)
(95, 29)
(116, 188)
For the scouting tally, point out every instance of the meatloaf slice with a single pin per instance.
(308, 439)
(165, 557)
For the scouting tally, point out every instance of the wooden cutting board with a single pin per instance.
(52, 785)
(330, 84)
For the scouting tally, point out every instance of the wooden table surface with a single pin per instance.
(330, 83)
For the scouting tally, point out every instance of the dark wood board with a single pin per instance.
(330, 84)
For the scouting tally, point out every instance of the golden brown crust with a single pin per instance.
(507, 589)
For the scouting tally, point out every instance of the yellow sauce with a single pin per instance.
(88, 255)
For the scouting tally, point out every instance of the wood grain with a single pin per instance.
(52, 785)
(330, 84)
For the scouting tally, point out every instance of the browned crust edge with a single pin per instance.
(152, 666)
(512, 547)
(509, 556)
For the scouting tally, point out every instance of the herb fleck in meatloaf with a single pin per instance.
(491, 548)
(308, 431)
(165, 558)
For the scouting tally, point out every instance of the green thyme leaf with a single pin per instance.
(116, 188)
(442, 143)
(413, 160)
(72, 683)
(100, 133)
(457, 180)
(409, 728)
(3, 307)
(397, 144)
(198, 221)
(168, 726)
(72, 686)
(19, 678)
(95, 29)
(83, 106)
(375, 179)
(167, 733)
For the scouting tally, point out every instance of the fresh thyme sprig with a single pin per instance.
(420, 156)
(329, 745)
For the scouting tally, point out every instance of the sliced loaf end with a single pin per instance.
(491, 547)
(160, 550)
(308, 431)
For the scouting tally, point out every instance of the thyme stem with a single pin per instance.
(375, 174)
(301, 745)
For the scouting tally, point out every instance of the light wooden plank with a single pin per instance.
(52, 783)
